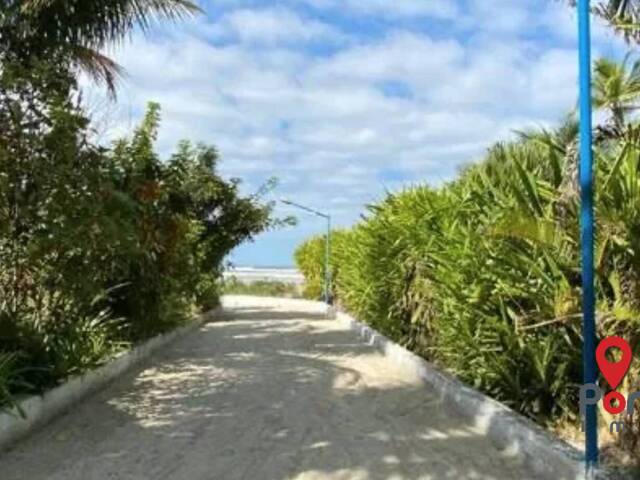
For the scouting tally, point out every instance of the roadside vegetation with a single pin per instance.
(261, 288)
(482, 275)
(100, 247)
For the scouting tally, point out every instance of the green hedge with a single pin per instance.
(100, 247)
(482, 275)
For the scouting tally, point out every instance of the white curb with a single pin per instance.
(547, 456)
(41, 409)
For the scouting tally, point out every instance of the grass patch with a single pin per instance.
(261, 288)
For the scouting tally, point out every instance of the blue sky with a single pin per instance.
(343, 100)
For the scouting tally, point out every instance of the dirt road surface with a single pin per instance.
(273, 392)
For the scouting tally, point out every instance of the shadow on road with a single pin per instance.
(270, 395)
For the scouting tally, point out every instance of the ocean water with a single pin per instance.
(254, 274)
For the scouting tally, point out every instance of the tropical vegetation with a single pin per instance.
(482, 275)
(260, 288)
(623, 15)
(100, 247)
(77, 31)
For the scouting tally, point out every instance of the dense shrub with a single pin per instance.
(482, 275)
(311, 259)
(99, 247)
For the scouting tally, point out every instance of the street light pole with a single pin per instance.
(590, 374)
(328, 298)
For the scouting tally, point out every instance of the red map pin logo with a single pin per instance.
(614, 372)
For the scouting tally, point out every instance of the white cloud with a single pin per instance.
(322, 122)
(504, 16)
(399, 55)
(441, 9)
(445, 9)
(270, 26)
(335, 114)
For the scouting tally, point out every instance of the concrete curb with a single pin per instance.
(547, 456)
(42, 409)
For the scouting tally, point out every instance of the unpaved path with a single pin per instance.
(275, 392)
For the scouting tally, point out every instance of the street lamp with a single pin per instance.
(328, 298)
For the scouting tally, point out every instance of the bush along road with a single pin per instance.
(275, 391)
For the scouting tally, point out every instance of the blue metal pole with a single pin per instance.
(587, 230)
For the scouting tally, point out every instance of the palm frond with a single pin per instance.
(622, 15)
(96, 23)
(99, 67)
(81, 29)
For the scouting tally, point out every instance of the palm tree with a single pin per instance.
(80, 28)
(616, 88)
(623, 15)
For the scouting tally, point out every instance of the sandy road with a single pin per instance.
(275, 392)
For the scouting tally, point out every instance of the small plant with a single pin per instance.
(11, 381)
